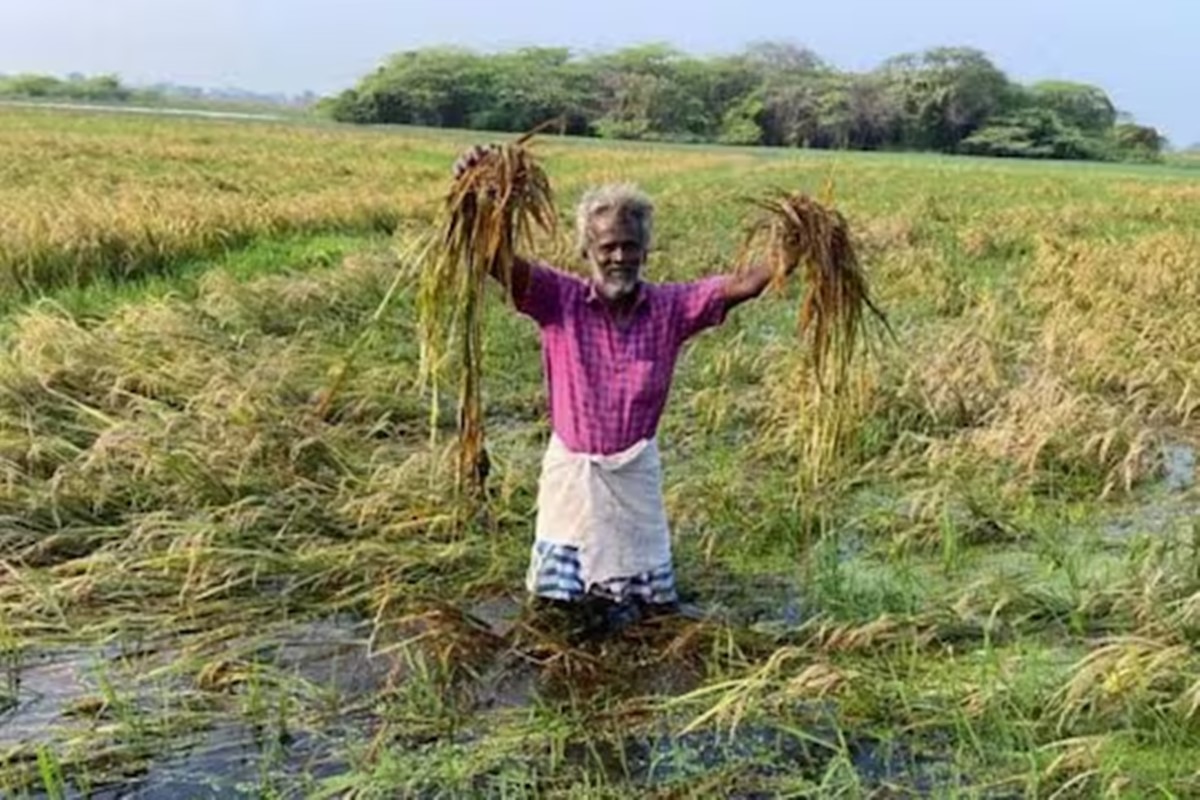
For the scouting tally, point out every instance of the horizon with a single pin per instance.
(230, 45)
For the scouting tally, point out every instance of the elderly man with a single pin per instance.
(609, 348)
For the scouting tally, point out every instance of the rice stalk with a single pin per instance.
(1124, 673)
(493, 207)
(797, 231)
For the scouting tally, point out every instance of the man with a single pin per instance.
(609, 348)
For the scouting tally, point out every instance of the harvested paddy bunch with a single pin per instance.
(497, 202)
(795, 231)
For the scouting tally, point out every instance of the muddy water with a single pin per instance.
(60, 694)
(1179, 467)
(230, 758)
(49, 687)
(236, 762)
(762, 751)
(1173, 508)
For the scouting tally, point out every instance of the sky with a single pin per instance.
(1142, 52)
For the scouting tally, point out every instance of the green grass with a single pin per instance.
(993, 595)
(260, 258)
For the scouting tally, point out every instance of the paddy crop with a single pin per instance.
(212, 582)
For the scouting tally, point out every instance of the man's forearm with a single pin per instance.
(519, 276)
(746, 284)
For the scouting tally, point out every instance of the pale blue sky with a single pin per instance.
(1145, 53)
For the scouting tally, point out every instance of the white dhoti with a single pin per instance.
(607, 512)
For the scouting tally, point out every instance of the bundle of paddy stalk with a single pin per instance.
(495, 205)
(795, 231)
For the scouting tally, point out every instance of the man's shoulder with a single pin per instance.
(549, 294)
(664, 290)
(661, 295)
(550, 274)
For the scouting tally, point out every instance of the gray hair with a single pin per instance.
(621, 199)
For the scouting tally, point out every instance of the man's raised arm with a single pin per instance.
(746, 284)
(520, 277)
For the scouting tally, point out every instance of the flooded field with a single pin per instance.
(213, 585)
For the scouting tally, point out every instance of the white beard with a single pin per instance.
(617, 290)
(612, 287)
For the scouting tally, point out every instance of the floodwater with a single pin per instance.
(1179, 467)
(65, 693)
(61, 693)
(153, 111)
(1173, 508)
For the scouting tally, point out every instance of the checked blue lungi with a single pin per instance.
(554, 574)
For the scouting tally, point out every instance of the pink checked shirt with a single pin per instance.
(608, 385)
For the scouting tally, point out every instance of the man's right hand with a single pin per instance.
(473, 156)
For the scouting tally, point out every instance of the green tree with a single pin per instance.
(441, 87)
(726, 82)
(789, 77)
(876, 112)
(946, 94)
(1138, 142)
(533, 85)
(740, 123)
(1034, 133)
(99, 88)
(782, 60)
(1079, 104)
(32, 86)
(649, 91)
(951, 99)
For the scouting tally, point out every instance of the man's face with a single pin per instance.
(617, 253)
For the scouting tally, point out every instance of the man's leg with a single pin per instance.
(600, 610)
(627, 601)
(557, 590)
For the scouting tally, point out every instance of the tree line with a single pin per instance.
(949, 99)
(81, 88)
(110, 89)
